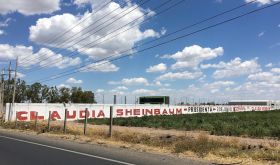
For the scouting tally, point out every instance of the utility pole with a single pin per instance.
(103, 98)
(2, 91)
(9, 72)
(15, 83)
(8, 90)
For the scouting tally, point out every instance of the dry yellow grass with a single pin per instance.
(219, 149)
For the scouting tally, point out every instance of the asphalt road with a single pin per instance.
(22, 149)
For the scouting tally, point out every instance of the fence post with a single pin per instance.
(16, 120)
(3, 119)
(85, 121)
(36, 119)
(111, 121)
(49, 122)
(65, 120)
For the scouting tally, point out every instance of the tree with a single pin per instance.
(77, 94)
(34, 93)
(65, 95)
(20, 91)
(53, 95)
(88, 97)
(38, 93)
(45, 95)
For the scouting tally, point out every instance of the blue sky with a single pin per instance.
(237, 60)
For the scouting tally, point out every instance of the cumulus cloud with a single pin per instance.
(263, 2)
(48, 58)
(192, 56)
(216, 86)
(102, 66)
(234, 68)
(46, 27)
(63, 86)
(72, 80)
(157, 68)
(131, 81)
(264, 77)
(29, 7)
(121, 88)
(44, 57)
(143, 92)
(94, 3)
(275, 70)
(186, 75)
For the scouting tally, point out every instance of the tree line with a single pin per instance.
(39, 93)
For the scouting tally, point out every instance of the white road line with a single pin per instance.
(66, 150)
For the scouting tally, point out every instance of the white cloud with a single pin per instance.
(269, 65)
(63, 86)
(44, 57)
(219, 84)
(234, 68)
(72, 80)
(48, 58)
(157, 68)
(159, 84)
(261, 34)
(121, 88)
(135, 81)
(50, 27)
(263, 2)
(264, 77)
(102, 66)
(131, 81)
(4, 24)
(186, 75)
(275, 70)
(94, 3)
(19, 75)
(100, 90)
(29, 7)
(143, 92)
(191, 57)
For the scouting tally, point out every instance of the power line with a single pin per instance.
(167, 35)
(74, 26)
(83, 29)
(177, 38)
(90, 34)
(89, 44)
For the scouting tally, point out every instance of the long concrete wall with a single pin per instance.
(27, 112)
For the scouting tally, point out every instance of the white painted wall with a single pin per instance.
(26, 111)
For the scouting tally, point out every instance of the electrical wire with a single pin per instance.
(172, 40)
(85, 47)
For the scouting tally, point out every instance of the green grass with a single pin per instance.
(252, 124)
